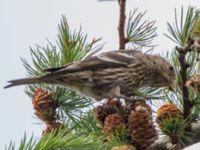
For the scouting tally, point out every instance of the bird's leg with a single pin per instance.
(134, 98)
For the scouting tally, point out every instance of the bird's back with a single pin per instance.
(97, 75)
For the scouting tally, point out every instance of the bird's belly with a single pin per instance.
(106, 82)
(89, 91)
(98, 93)
(93, 93)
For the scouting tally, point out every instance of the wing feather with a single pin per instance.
(104, 60)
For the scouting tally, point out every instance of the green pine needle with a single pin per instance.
(140, 32)
(71, 46)
(175, 127)
(58, 139)
(182, 29)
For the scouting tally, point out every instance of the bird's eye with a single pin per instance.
(171, 68)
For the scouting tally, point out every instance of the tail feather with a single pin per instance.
(25, 81)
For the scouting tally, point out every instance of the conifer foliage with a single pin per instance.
(73, 122)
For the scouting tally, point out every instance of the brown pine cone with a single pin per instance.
(115, 103)
(141, 128)
(51, 127)
(44, 105)
(140, 102)
(112, 124)
(167, 111)
(110, 107)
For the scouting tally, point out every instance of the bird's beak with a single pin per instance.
(173, 87)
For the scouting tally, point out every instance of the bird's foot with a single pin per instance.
(136, 98)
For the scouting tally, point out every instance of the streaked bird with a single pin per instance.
(108, 75)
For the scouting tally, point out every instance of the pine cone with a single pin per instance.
(113, 123)
(194, 83)
(114, 103)
(167, 111)
(44, 105)
(142, 130)
(140, 102)
(47, 115)
(110, 107)
(132, 106)
(123, 147)
(51, 127)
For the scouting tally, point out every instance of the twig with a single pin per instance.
(183, 72)
(122, 17)
(162, 144)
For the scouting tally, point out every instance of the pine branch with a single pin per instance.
(58, 139)
(122, 17)
(93, 127)
(181, 34)
(138, 31)
(175, 129)
(25, 144)
(78, 136)
(183, 72)
(181, 30)
(163, 144)
(71, 46)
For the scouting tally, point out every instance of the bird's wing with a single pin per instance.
(105, 60)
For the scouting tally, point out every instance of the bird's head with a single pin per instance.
(165, 75)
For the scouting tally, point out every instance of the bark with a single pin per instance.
(122, 17)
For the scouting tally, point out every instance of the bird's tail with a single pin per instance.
(23, 81)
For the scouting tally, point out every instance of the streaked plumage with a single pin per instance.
(110, 74)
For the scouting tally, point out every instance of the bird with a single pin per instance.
(109, 74)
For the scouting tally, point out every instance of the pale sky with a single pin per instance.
(28, 22)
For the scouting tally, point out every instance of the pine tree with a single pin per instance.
(73, 122)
